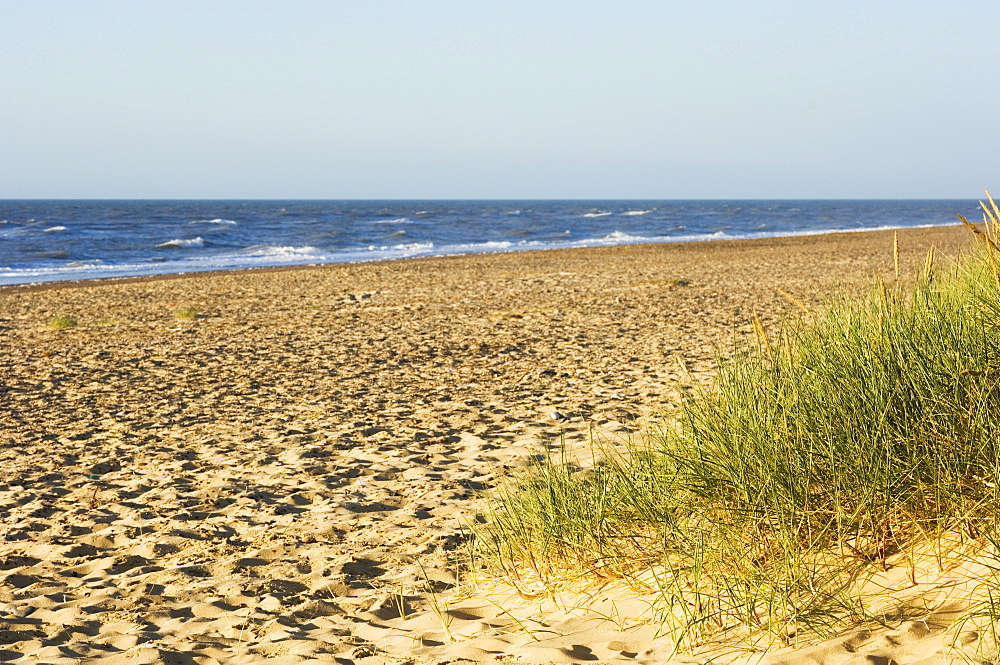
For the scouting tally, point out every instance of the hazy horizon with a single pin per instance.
(486, 200)
(445, 100)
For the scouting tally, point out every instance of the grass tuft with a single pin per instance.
(186, 313)
(819, 456)
(62, 321)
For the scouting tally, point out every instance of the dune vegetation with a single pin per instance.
(856, 439)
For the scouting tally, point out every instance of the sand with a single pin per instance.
(286, 478)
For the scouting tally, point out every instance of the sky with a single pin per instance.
(512, 99)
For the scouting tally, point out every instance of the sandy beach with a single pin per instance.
(286, 476)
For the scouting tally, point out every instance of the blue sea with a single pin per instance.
(43, 241)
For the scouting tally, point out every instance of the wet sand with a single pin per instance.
(284, 477)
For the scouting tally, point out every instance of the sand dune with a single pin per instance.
(286, 477)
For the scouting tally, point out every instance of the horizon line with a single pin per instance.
(372, 199)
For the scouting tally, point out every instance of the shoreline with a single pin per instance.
(722, 242)
(287, 476)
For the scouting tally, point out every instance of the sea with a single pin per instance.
(52, 240)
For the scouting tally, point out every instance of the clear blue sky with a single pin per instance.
(502, 99)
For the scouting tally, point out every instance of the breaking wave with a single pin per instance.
(182, 243)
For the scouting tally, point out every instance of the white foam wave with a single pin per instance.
(597, 214)
(636, 213)
(181, 243)
(493, 245)
(621, 238)
(403, 247)
(618, 237)
(229, 222)
(54, 229)
(398, 220)
(278, 251)
(414, 246)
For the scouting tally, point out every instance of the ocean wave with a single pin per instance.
(491, 246)
(618, 237)
(398, 220)
(277, 251)
(636, 213)
(403, 247)
(229, 222)
(621, 238)
(414, 246)
(16, 232)
(598, 214)
(182, 243)
(54, 229)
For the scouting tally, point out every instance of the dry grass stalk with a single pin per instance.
(991, 255)
(795, 301)
(994, 216)
(895, 253)
(685, 373)
(761, 335)
(929, 264)
(979, 234)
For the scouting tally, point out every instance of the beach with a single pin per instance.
(280, 465)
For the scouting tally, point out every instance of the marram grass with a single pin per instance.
(820, 455)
